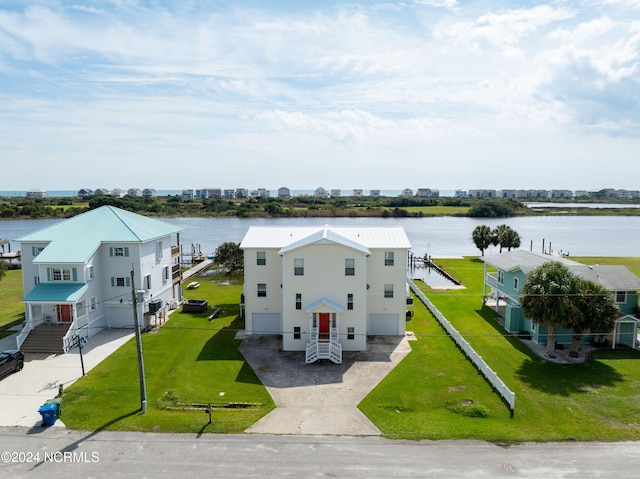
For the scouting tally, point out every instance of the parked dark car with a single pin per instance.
(11, 361)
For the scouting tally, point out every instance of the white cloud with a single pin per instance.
(128, 79)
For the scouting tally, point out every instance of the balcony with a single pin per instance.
(176, 274)
(491, 280)
(175, 251)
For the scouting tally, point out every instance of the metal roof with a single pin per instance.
(523, 260)
(56, 293)
(285, 237)
(326, 303)
(611, 277)
(76, 239)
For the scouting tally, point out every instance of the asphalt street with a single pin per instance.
(59, 453)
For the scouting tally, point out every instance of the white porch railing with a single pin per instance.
(491, 376)
(331, 350)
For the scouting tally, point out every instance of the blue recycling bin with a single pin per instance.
(49, 413)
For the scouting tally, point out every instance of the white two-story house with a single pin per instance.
(325, 289)
(77, 274)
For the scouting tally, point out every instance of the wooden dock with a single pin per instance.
(196, 269)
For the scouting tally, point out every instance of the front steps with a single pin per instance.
(46, 338)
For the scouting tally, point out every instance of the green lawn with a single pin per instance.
(438, 210)
(11, 307)
(434, 393)
(192, 359)
(595, 401)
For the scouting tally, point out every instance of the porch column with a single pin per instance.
(484, 284)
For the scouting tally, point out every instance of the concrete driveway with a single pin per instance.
(22, 393)
(320, 398)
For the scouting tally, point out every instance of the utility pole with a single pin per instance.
(143, 386)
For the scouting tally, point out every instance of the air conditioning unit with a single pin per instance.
(155, 306)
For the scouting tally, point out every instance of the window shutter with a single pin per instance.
(48, 274)
(74, 274)
(126, 251)
(111, 251)
(113, 281)
(33, 251)
(127, 281)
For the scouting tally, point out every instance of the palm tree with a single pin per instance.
(598, 313)
(481, 237)
(548, 297)
(496, 235)
(509, 239)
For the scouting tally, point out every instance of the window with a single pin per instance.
(298, 266)
(350, 301)
(621, 297)
(389, 258)
(36, 250)
(501, 277)
(90, 272)
(349, 267)
(61, 274)
(147, 281)
(158, 250)
(261, 258)
(93, 303)
(262, 290)
(36, 280)
(165, 273)
(516, 284)
(296, 332)
(298, 300)
(119, 251)
(388, 290)
(351, 332)
(120, 282)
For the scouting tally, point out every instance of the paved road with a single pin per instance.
(58, 453)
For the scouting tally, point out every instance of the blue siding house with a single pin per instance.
(506, 273)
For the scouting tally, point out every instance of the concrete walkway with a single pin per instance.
(22, 393)
(320, 398)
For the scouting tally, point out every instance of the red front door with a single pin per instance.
(324, 320)
(64, 313)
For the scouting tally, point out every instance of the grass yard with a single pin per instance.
(437, 394)
(11, 307)
(438, 210)
(189, 360)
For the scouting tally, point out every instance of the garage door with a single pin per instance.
(266, 323)
(384, 324)
(120, 316)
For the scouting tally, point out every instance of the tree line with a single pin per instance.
(176, 205)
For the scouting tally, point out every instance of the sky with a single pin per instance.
(445, 94)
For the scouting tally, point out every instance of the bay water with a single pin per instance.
(437, 236)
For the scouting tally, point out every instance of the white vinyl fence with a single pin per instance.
(491, 376)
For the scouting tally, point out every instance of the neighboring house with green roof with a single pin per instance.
(77, 273)
(506, 273)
